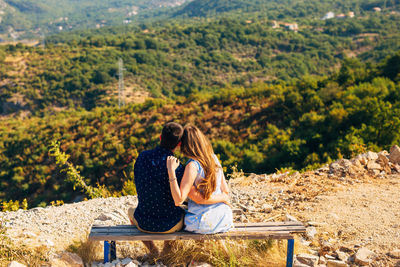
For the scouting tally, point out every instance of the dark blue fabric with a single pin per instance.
(156, 210)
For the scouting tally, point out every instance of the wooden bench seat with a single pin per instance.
(270, 230)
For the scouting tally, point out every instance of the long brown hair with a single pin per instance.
(196, 145)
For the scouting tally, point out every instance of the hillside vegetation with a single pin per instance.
(298, 125)
(79, 69)
(33, 18)
(278, 9)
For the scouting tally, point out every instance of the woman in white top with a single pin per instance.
(203, 171)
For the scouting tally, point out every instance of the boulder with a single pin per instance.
(336, 263)
(395, 253)
(395, 155)
(371, 156)
(363, 256)
(383, 159)
(131, 264)
(373, 165)
(307, 259)
(15, 264)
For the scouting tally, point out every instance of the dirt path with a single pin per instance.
(365, 215)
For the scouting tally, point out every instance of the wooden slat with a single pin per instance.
(264, 224)
(274, 230)
(268, 224)
(297, 229)
(190, 236)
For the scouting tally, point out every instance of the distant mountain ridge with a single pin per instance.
(32, 18)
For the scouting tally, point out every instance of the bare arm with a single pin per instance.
(179, 194)
(224, 185)
(195, 195)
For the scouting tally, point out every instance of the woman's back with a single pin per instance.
(212, 218)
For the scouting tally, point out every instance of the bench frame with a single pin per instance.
(272, 230)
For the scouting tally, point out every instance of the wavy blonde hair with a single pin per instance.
(195, 145)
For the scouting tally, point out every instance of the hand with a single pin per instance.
(172, 163)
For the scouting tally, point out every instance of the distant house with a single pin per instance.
(350, 14)
(377, 9)
(292, 26)
(341, 16)
(329, 15)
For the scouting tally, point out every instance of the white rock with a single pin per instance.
(342, 255)
(305, 242)
(116, 262)
(290, 218)
(311, 232)
(199, 264)
(72, 259)
(16, 264)
(307, 259)
(126, 261)
(316, 224)
(296, 263)
(47, 242)
(131, 264)
(363, 256)
(335, 263)
(372, 165)
(108, 264)
(395, 253)
(267, 208)
(371, 155)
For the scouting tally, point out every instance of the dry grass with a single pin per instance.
(13, 252)
(261, 253)
(89, 251)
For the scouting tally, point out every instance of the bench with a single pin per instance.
(270, 230)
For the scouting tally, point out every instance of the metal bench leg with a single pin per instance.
(113, 251)
(290, 250)
(106, 251)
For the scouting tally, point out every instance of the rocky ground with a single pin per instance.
(351, 209)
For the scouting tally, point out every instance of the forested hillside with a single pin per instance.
(280, 9)
(22, 19)
(79, 69)
(34, 18)
(299, 124)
